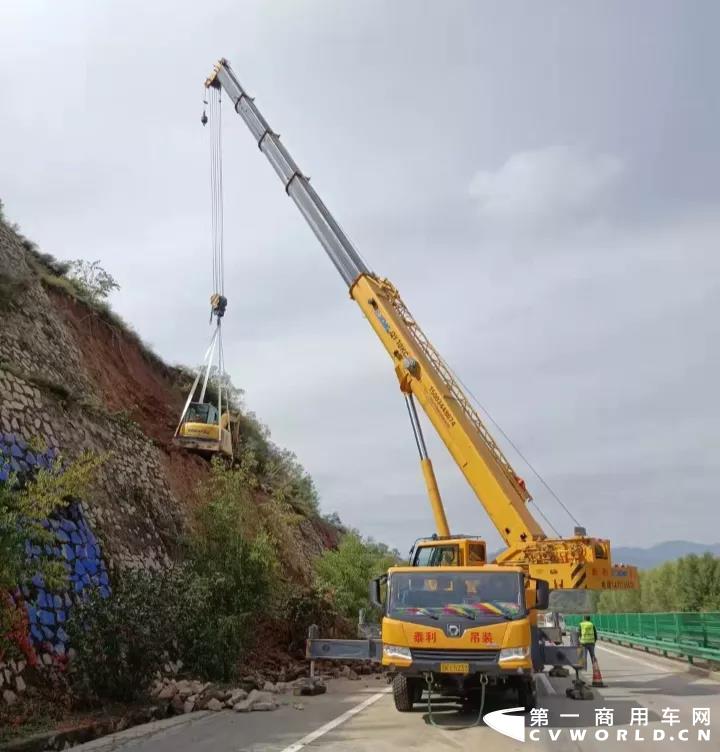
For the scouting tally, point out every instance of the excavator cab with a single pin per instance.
(203, 430)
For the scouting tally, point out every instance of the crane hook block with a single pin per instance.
(204, 118)
(218, 304)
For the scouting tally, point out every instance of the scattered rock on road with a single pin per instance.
(309, 686)
(236, 696)
(167, 692)
(188, 695)
(256, 700)
(264, 706)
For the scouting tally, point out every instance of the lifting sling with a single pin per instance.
(213, 365)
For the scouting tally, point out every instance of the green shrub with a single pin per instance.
(203, 612)
(298, 608)
(232, 579)
(93, 282)
(122, 641)
(690, 583)
(290, 483)
(343, 575)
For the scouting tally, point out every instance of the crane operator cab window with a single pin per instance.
(201, 412)
(476, 554)
(437, 556)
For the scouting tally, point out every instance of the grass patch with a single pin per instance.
(10, 290)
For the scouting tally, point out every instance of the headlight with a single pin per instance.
(397, 651)
(513, 654)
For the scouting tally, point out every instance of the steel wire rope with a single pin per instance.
(216, 191)
(519, 452)
(220, 203)
(217, 235)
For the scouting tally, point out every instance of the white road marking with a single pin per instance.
(546, 683)
(664, 669)
(311, 737)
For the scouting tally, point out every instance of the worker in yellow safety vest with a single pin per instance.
(588, 636)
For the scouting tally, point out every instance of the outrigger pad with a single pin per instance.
(558, 671)
(310, 686)
(579, 691)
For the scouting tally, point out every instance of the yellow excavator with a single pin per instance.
(452, 621)
(202, 429)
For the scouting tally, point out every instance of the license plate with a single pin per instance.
(455, 668)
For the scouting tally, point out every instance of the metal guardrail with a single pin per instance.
(688, 634)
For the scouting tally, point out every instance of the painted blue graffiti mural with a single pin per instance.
(74, 544)
(18, 458)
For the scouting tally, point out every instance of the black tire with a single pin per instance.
(527, 695)
(404, 693)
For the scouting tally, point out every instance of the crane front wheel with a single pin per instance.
(406, 692)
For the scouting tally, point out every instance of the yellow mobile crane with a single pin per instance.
(451, 620)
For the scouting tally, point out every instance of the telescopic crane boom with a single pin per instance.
(579, 561)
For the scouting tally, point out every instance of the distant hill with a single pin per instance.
(646, 558)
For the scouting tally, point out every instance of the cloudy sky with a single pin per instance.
(540, 180)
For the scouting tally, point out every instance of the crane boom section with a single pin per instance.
(422, 372)
(336, 244)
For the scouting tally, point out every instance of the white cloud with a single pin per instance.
(545, 183)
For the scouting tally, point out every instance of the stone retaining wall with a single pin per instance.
(130, 508)
(50, 406)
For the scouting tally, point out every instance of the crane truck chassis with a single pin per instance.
(451, 629)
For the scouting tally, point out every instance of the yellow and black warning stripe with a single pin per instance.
(577, 576)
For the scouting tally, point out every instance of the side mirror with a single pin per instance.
(374, 590)
(542, 594)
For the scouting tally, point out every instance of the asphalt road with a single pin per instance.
(360, 716)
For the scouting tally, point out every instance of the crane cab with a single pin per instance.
(204, 431)
(448, 551)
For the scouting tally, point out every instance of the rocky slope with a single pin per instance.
(72, 377)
